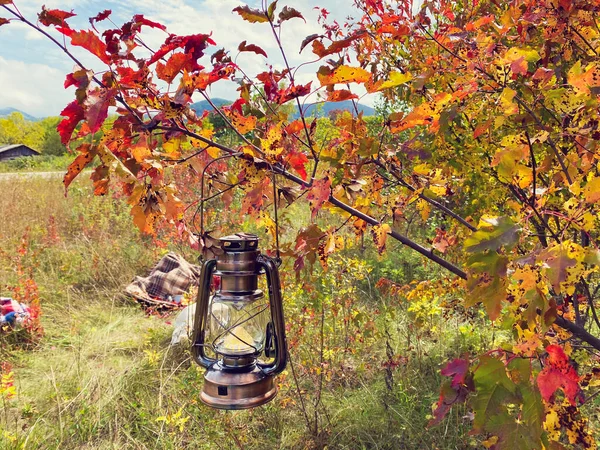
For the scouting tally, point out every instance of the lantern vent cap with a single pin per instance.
(239, 242)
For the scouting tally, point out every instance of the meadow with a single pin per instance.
(364, 369)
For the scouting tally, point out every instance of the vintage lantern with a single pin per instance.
(244, 332)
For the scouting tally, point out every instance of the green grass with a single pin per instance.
(104, 377)
(40, 163)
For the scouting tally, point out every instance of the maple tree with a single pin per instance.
(493, 126)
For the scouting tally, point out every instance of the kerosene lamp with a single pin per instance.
(243, 332)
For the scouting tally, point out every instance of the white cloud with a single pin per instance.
(32, 87)
(32, 71)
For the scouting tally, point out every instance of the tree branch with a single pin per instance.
(578, 332)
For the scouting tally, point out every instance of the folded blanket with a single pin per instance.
(167, 282)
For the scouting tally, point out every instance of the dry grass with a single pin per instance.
(104, 377)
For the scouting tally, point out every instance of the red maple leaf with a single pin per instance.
(100, 17)
(54, 17)
(298, 161)
(558, 373)
(96, 107)
(455, 391)
(457, 369)
(140, 20)
(319, 194)
(88, 40)
(74, 114)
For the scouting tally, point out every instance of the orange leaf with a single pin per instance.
(140, 152)
(167, 72)
(244, 124)
(91, 42)
(380, 234)
(340, 96)
(294, 127)
(482, 128)
(335, 47)
(87, 154)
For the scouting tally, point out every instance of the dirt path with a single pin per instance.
(16, 175)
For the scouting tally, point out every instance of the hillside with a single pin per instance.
(325, 108)
(4, 112)
(315, 109)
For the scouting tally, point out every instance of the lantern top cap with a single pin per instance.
(239, 242)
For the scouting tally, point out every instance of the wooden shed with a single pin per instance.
(16, 151)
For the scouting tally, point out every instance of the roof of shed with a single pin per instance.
(5, 148)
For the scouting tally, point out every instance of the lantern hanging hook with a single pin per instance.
(204, 200)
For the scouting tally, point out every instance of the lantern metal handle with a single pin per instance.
(276, 303)
(201, 317)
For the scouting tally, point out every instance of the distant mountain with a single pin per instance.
(318, 110)
(323, 109)
(203, 105)
(7, 111)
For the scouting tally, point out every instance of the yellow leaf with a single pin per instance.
(213, 152)
(424, 208)
(421, 169)
(395, 79)
(342, 74)
(591, 191)
(172, 145)
(140, 152)
(506, 102)
(514, 54)
(380, 234)
(271, 143)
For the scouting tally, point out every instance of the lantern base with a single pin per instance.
(227, 389)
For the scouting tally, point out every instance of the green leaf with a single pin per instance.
(271, 9)
(512, 435)
(487, 282)
(494, 390)
(493, 233)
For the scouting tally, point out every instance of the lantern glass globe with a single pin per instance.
(238, 328)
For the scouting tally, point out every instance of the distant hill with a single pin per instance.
(318, 110)
(203, 105)
(323, 109)
(7, 111)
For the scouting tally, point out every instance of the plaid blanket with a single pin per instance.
(168, 280)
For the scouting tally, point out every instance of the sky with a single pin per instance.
(33, 69)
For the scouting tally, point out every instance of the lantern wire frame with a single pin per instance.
(200, 209)
(203, 200)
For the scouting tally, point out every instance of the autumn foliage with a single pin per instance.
(492, 124)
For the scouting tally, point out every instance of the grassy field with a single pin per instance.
(41, 163)
(364, 372)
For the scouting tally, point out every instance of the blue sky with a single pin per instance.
(32, 69)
